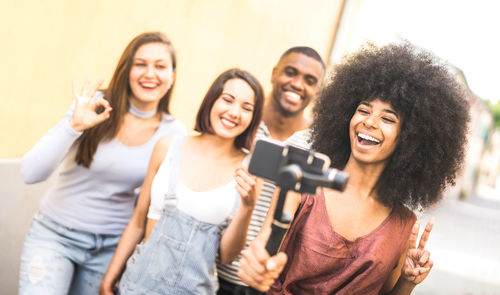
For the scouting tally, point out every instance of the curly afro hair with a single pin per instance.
(434, 112)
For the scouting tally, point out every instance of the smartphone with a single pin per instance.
(270, 157)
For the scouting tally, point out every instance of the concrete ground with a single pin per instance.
(465, 246)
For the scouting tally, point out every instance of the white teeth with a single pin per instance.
(228, 122)
(292, 96)
(368, 137)
(148, 85)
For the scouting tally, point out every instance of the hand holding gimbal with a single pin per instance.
(291, 168)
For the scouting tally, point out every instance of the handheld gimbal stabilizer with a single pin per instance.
(291, 168)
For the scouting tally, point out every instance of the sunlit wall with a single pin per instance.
(47, 44)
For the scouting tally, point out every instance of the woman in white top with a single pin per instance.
(192, 187)
(101, 149)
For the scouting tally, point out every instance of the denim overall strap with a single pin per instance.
(179, 256)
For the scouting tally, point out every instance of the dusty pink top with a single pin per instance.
(321, 261)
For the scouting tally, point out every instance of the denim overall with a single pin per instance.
(179, 256)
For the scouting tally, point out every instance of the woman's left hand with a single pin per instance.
(246, 187)
(417, 263)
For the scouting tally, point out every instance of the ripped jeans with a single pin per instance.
(59, 260)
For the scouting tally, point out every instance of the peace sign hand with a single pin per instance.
(417, 263)
(85, 114)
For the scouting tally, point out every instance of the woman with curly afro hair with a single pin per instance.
(395, 119)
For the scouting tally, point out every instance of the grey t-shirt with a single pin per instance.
(99, 199)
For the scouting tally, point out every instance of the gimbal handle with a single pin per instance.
(288, 176)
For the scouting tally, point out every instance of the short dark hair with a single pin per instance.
(434, 111)
(306, 51)
(203, 125)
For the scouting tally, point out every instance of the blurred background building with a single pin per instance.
(47, 44)
(481, 157)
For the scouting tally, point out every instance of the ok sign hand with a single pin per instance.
(417, 263)
(85, 114)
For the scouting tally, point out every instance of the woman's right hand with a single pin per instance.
(85, 115)
(257, 268)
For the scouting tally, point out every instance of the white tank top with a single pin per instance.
(213, 206)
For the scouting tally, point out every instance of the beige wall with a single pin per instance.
(47, 44)
(19, 204)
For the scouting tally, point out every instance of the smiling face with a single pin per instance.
(151, 75)
(295, 80)
(374, 130)
(232, 111)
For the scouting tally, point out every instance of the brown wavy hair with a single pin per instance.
(118, 93)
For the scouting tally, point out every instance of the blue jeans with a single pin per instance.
(59, 260)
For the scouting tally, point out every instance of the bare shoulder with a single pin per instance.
(406, 214)
(164, 142)
(161, 149)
